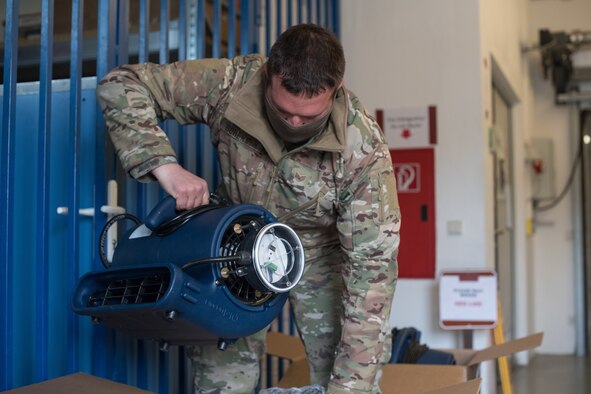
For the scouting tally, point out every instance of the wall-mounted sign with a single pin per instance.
(468, 299)
(409, 127)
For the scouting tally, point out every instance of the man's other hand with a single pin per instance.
(188, 189)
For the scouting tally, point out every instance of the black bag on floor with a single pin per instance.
(407, 349)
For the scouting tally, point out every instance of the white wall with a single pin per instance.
(417, 53)
(504, 33)
(553, 259)
(408, 53)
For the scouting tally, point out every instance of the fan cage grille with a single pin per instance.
(230, 246)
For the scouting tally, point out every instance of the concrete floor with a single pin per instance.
(548, 374)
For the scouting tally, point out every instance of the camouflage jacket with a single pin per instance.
(337, 191)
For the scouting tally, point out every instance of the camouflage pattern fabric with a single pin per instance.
(337, 192)
(234, 370)
(295, 390)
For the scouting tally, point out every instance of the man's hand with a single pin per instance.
(188, 190)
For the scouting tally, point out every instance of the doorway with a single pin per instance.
(503, 205)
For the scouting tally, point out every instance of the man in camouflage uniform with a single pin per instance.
(291, 138)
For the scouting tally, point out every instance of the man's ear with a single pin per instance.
(340, 84)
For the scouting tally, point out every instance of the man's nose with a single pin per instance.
(295, 120)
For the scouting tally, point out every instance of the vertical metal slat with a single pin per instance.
(255, 21)
(231, 28)
(144, 31)
(244, 28)
(267, 27)
(6, 191)
(73, 216)
(161, 362)
(216, 39)
(119, 355)
(278, 18)
(143, 57)
(182, 40)
(319, 12)
(200, 30)
(123, 33)
(336, 14)
(106, 42)
(199, 44)
(42, 231)
(164, 27)
(289, 13)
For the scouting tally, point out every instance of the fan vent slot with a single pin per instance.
(146, 289)
(230, 246)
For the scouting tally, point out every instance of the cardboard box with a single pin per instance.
(78, 383)
(406, 378)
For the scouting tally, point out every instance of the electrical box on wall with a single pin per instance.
(541, 162)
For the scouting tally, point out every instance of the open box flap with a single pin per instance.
(78, 383)
(285, 346)
(507, 348)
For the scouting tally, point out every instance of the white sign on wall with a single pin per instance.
(409, 127)
(468, 299)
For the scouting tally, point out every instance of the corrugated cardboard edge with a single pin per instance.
(420, 378)
(78, 383)
(297, 375)
(285, 346)
(507, 348)
(469, 387)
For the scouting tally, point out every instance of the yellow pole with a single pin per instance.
(499, 337)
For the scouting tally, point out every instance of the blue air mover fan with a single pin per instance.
(216, 273)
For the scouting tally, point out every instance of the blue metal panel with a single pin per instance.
(42, 235)
(6, 192)
(61, 122)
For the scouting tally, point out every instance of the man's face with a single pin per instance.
(298, 110)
